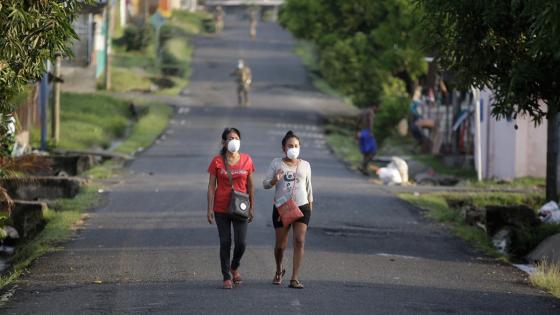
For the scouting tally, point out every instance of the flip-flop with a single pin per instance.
(295, 284)
(278, 277)
(236, 276)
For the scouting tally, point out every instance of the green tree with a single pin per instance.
(31, 32)
(510, 46)
(366, 49)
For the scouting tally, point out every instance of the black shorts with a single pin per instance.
(305, 209)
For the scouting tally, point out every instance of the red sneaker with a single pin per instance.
(228, 284)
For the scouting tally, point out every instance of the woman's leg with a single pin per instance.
(299, 241)
(280, 246)
(223, 222)
(239, 236)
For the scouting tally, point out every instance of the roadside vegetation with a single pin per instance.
(547, 276)
(446, 208)
(88, 122)
(146, 60)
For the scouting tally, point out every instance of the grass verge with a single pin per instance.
(146, 129)
(89, 121)
(437, 208)
(66, 213)
(547, 277)
(58, 228)
(139, 70)
(445, 208)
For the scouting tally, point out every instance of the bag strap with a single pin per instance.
(228, 172)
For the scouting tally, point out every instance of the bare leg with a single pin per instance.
(280, 247)
(299, 241)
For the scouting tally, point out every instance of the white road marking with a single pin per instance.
(184, 110)
(396, 256)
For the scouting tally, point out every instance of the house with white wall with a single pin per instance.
(508, 152)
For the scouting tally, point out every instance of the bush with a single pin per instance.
(175, 57)
(137, 36)
(393, 108)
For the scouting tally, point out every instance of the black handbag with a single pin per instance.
(239, 202)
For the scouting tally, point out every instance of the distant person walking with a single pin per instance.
(366, 138)
(244, 79)
(253, 16)
(292, 178)
(219, 19)
(230, 162)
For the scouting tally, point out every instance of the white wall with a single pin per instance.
(509, 153)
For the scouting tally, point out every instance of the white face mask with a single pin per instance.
(292, 153)
(233, 145)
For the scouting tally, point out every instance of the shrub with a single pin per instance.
(137, 36)
(175, 57)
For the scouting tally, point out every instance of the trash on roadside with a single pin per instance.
(395, 173)
(550, 212)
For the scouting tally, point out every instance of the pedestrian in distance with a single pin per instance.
(366, 138)
(291, 177)
(244, 79)
(253, 16)
(239, 166)
(219, 19)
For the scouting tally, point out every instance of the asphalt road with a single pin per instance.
(150, 249)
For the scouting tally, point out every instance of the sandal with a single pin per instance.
(236, 276)
(295, 284)
(278, 277)
(228, 284)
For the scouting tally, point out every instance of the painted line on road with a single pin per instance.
(397, 256)
(184, 110)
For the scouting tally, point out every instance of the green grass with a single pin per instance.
(523, 182)
(547, 277)
(437, 208)
(189, 22)
(444, 207)
(58, 229)
(132, 79)
(138, 70)
(89, 121)
(147, 129)
(435, 163)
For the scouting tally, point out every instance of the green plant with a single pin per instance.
(137, 36)
(175, 57)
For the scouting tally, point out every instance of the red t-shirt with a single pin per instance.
(240, 171)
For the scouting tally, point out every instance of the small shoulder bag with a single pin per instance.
(289, 212)
(239, 201)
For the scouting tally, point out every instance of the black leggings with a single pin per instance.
(224, 222)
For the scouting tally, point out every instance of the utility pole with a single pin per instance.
(43, 100)
(55, 119)
(552, 155)
(477, 139)
(108, 34)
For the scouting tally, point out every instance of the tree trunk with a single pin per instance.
(552, 157)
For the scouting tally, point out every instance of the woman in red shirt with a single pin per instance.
(219, 194)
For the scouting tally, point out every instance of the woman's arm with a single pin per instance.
(210, 195)
(251, 191)
(272, 176)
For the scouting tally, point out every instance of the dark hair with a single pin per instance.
(225, 133)
(290, 134)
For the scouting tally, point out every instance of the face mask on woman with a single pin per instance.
(233, 145)
(292, 153)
